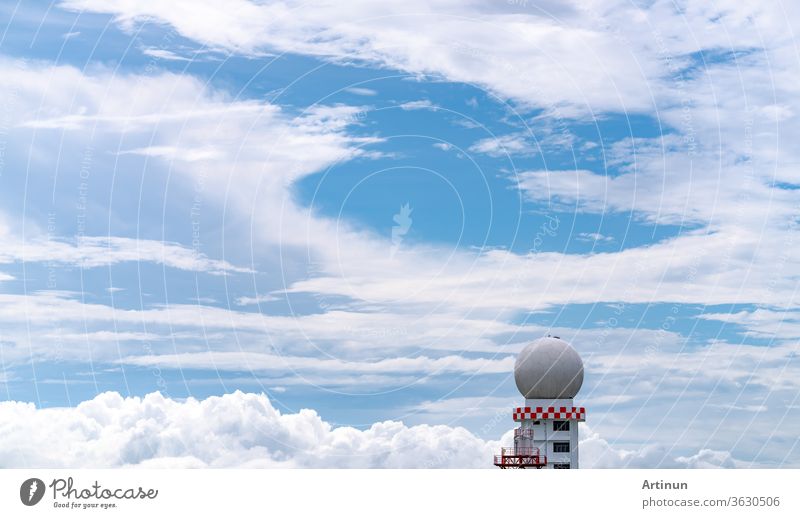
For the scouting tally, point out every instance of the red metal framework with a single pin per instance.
(520, 458)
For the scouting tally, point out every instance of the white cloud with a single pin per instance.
(491, 412)
(459, 302)
(353, 331)
(418, 105)
(662, 183)
(259, 362)
(163, 54)
(173, 118)
(567, 57)
(633, 376)
(245, 430)
(659, 272)
(419, 280)
(94, 251)
(596, 452)
(542, 136)
(361, 91)
(742, 254)
(176, 153)
(764, 322)
(100, 336)
(235, 430)
(721, 118)
(515, 144)
(260, 299)
(594, 237)
(527, 55)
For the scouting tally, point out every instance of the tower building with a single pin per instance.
(549, 374)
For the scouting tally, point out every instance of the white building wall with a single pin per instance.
(544, 435)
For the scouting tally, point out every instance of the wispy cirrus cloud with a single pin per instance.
(359, 90)
(259, 362)
(768, 322)
(164, 54)
(96, 251)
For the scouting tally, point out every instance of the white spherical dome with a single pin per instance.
(548, 368)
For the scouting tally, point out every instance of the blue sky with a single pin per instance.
(202, 199)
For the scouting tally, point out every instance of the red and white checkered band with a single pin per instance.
(562, 412)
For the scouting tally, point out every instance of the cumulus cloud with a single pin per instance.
(596, 452)
(245, 430)
(235, 430)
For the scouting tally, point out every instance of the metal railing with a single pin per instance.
(519, 452)
(523, 433)
(520, 461)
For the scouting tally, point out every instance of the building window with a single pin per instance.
(560, 447)
(561, 465)
(560, 426)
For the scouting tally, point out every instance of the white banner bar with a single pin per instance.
(400, 493)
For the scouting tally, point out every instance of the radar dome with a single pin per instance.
(548, 368)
